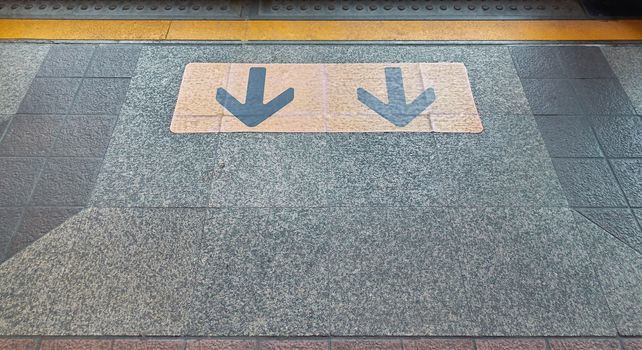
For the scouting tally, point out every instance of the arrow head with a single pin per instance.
(397, 111)
(253, 112)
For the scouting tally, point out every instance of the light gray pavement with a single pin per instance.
(327, 234)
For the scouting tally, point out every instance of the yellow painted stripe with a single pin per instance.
(545, 30)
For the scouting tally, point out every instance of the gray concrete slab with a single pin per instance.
(627, 65)
(619, 269)
(20, 63)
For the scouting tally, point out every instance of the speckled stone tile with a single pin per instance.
(17, 177)
(30, 135)
(115, 271)
(589, 182)
(28, 298)
(49, 96)
(36, 222)
(9, 220)
(552, 97)
(259, 170)
(527, 273)
(131, 272)
(379, 285)
(100, 96)
(620, 273)
(114, 61)
(620, 136)
(629, 174)
(67, 60)
(602, 97)
(568, 136)
(66, 182)
(369, 179)
(155, 181)
(619, 222)
(20, 63)
(263, 272)
(626, 62)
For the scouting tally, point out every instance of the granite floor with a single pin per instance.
(112, 225)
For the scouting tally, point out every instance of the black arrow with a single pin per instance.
(397, 111)
(254, 111)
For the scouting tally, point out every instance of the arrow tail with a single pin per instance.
(394, 84)
(255, 86)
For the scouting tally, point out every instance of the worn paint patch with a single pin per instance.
(380, 97)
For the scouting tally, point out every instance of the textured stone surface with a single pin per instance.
(626, 61)
(589, 183)
(511, 344)
(49, 96)
(114, 61)
(602, 97)
(539, 62)
(20, 63)
(84, 136)
(581, 62)
(100, 96)
(17, 177)
(568, 136)
(66, 60)
(629, 173)
(126, 271)
(36, 222)
(584, 344)
(30, 135)
(154, 181)
(619, 269)
(9, 220)
(619, 222)
(66, 182)
(620, 136)
(552, 97)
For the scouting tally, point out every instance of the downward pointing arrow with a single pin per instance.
(397, 111)
(253, 112)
